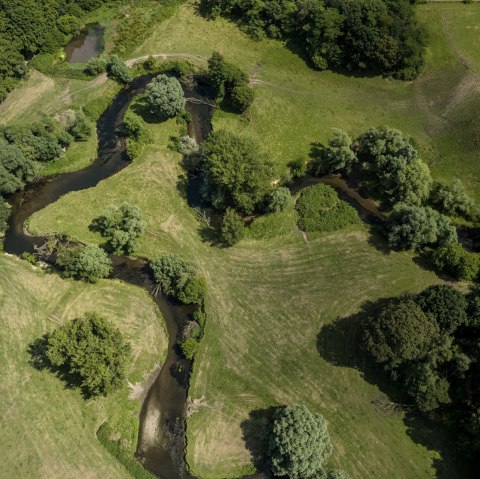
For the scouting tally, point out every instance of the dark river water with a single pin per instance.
(87, 44)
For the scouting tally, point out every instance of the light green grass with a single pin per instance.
(49, 431)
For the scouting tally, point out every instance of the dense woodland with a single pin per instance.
(371, 36)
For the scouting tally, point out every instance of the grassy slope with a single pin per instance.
(238, 370)
(48, 431)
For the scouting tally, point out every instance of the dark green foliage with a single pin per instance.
(86, 263)
(298, 168)
(236, 173)
(399, 332)
(118, 70)
(189, 347)
(4, 215)
(452, 200)
(15, 168)
(90, 353)
(337, 156)
(230, 82)
(279, 199)
(177, 278)
(300, 443)
(26, 256)
(134, 127)
(96, 66)
(165, 96)
(123, 455)
(447, 305)
(453, 260)
(391, 165)
(379, 36)
(124, 224)
(411, 227)
(320, 209)
(232, 229)
(82, 127)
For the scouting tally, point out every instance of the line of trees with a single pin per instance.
(380, 36)
(429, 343)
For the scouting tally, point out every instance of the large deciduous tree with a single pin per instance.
(165, 96)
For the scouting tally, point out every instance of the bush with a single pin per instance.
(232, 229)
(236, 174)
(26, 256)
(177, 278)
(300, 443)
(96, 66)
(411, 227)
(452, 200)
(320, 209)
(186, 145)
(90, 353)
(165, 96)
(134, 127)
(279, 199)
(189, 347)
(399, 332)
(85, 263)
(298, 168)
(241, 97)
(337, 156)
(124, 224)
(4, 215)
(118, 70)
(453, 260)
(81, 128)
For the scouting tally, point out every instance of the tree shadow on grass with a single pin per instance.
(340, 344)
(256, 432)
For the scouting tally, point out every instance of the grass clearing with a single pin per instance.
(49, 431)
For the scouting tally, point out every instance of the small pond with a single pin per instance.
(87, 44)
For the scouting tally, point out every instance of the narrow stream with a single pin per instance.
(161, 441)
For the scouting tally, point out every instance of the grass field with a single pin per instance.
(49, 431)
(271, 295)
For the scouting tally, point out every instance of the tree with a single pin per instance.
(194, 291)
(447, 305)
(337, 156)
(399, 332)
(241, 97)
(393, 169)
(124, 224)
(165, 96)
(118, 70)
(86, 263)
(82, 127)
(298, 168)
(236, 174)
(89, 352)
(410, 227)
(452, 200)
(189, 347)
(300, 443)
(96, 66)
(175, 276)
(232, 229)
(453, 260)
(4, 215)
(279, 199)
(15, 168)
(134, 127)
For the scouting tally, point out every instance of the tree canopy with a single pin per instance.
(89, 352)
(232, 229)
(236, 174)
(4, 215)
(300, 443)
(165, 96)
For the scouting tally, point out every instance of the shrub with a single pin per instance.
(134, 148)
(453, 260)
(85, 263)
(300, 443)
(134, 127)
(81, 128)
(279, 199)
(232, 229)
(124, 224)
(241, 97)
(337, 156)
(186, 145)
(118, 70)
(4, 215)
(399, 332)
(26, 256)
(177, 278)
(165, 96)
(320, 209)
(410, 227)
(236, 174)
(90, 352)
(298, 168)
(189, 347)
(96, 66)
(452, 200)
